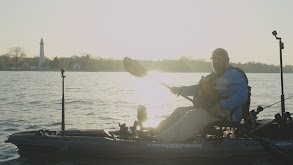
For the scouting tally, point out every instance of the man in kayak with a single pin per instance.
(221, 93)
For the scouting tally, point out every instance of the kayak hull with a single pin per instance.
(99, 143)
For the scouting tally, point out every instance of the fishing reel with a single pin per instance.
(250, 119)
(282, 120)
(254, 113)
(288, 117)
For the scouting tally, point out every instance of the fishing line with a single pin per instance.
(275, 103)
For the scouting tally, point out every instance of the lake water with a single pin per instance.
(101, 100)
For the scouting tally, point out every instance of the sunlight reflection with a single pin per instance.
(154, 95)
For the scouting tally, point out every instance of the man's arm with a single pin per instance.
(238, 91)
(184, 90)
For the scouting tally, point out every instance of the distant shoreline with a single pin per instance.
(48, 70)
(87, 63)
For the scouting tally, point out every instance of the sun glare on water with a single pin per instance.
(155, 97)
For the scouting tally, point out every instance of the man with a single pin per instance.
(223, 93)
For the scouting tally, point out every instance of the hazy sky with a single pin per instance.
(149, 29)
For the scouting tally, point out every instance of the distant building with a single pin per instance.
(33, 67)
(42, 56)
(76, 66)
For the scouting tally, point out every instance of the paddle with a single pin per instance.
(137, 70)
(134, 68)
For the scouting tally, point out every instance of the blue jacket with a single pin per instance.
(232, 85)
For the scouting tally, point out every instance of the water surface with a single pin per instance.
(101, 100)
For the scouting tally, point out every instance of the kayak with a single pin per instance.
(101, 143)
(221, 139)
(218, 140)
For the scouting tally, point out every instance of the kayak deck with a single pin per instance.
(100, 143)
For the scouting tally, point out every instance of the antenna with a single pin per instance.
(281, 70)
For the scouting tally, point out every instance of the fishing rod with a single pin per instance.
(277, 102)
(278, 118)
(260, 108)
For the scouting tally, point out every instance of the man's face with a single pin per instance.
(220, 64)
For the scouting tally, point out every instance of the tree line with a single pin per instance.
(16, 59)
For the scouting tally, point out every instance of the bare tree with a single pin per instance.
(17, 54)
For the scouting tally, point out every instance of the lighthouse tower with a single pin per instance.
(42, 57)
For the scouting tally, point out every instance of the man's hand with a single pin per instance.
(176, 90)
(216, 109)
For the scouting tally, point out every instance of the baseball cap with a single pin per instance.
(220, 53)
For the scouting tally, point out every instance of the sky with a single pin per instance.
(149, 29)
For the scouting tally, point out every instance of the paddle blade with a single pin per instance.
(134, 67)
